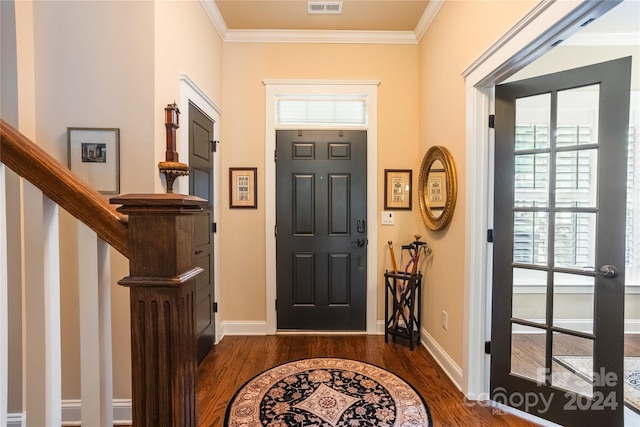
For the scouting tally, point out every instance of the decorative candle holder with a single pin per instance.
(171, 171)
(172, 168)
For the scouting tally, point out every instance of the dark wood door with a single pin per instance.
(201, 184)
(321, 230)
(559, 242)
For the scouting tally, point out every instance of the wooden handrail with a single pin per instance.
(62, 186)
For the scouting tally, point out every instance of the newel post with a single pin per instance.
(162, 291)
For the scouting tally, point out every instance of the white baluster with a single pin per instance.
(95, 329)
(42, 311)
(4, 317)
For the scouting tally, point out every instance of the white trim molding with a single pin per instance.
(216, 17)
(321, 84)
(72, 412)
(448, 365)
(367, 89)
(321, 36)
(190, 91)
(433, 7)
(17, 419)
(242, 327)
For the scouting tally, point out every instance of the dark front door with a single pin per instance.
(559, 242)
(321, 230)
(201, 184)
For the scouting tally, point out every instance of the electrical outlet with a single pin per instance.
(444, 320)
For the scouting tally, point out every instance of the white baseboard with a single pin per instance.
(448, 365)
(241, 327)
(17, 420)
(72, 409)
(453, 371)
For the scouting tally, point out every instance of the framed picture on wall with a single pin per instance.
(94, 155)
(243, 188)
(397, 188)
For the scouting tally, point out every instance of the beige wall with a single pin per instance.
(185, 42)
(88, 75)
(461, 32)
(245, 66)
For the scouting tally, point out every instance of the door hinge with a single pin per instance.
(490, 235)
(492, 121)
(487, 347)
(275, 231)
(214, 146)
(276, 305)
(214, 227)
(215, 307)
(275, 155)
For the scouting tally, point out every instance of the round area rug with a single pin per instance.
(327, 392)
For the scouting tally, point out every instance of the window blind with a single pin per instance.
(315, 110)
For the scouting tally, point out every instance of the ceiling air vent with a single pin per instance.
(324, 7)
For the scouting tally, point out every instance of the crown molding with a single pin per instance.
(433, 7)
(319, 36)
(603, 39)
(216, 17)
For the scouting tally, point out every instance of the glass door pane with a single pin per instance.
(560, 168)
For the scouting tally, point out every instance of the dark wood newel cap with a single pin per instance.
(181, 204)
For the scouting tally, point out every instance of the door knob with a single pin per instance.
(608, 271)
(359, 241)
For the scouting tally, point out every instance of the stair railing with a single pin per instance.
(156, 233)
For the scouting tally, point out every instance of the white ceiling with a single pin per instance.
(619, 26)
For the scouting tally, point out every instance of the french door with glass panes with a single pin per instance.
(559, 241)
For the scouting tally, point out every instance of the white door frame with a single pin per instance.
(368, 89)
(190, 91)
(545, 24)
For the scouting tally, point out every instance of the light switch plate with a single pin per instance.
(388, 218)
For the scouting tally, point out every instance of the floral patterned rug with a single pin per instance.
(327, 392)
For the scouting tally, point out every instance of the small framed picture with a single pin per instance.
(242, 188)
(94, 155)
(437, 188)
(397, 188)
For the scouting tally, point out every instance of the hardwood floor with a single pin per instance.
(236, 359)
(529, 350)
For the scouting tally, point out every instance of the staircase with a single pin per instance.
(155, 232)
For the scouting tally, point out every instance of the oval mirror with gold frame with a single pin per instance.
(437, 188)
